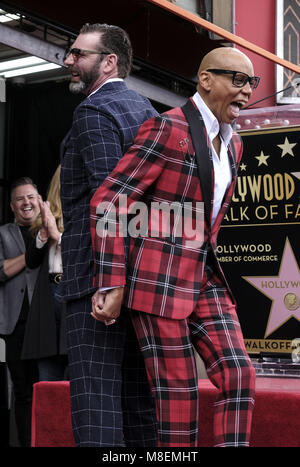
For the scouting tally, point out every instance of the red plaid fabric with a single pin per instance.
(167, 346)
(164, 277)
(164, 274)
(172, 374)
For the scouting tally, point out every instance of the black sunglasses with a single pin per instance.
(79, 52)
(239, 79)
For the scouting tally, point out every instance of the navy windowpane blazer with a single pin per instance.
(104, 127)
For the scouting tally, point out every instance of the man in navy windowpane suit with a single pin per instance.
(110, 398)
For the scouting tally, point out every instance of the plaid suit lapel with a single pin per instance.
(204, 163)
(232, 158)
(227, 196)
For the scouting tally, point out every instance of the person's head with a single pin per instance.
(54, 199)
(225, 82)
(100, 52)
(24, 201)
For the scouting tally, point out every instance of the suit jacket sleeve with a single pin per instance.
(132, 176)
(3, 276)
(11, 246)
(98, 142)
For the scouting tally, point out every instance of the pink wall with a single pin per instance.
(255, 22)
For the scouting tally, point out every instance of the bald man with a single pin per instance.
(174, 286)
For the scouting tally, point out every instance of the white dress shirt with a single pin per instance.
(110, 80)
(222, 169)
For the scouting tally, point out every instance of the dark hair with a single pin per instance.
(114, 40)
(20, 182)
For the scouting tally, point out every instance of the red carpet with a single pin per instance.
(276, 419)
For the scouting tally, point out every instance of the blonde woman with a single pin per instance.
(45, 336)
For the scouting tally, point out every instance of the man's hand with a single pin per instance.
(106, 306)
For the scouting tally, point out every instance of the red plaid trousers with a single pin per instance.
(167, 345)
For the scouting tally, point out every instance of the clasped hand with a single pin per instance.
(106, 306)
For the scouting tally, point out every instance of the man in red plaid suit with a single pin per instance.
(172, 282)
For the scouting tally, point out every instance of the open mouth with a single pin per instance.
(75, 76)
(27, 210)
(236, 106)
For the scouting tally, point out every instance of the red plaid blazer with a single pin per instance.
(164, 270)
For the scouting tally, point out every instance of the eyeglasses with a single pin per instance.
(80, 52)
(239, 79)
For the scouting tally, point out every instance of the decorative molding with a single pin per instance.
(288, 48)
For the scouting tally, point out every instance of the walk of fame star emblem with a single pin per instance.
(283, 290)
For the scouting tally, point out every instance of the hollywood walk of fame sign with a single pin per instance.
(259, 242)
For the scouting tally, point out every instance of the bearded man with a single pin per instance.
(111, 402)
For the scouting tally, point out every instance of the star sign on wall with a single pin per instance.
(262, 159)
(283, 290)
(287, 147)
